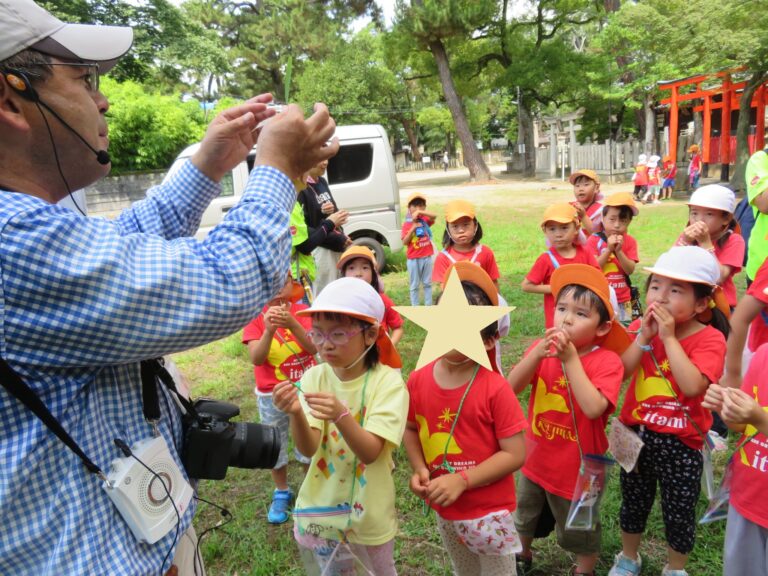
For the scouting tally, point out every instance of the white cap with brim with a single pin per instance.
(689, 264)
(351, 297)
(714, 196)
(24, 24)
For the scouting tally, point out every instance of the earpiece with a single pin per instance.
(20, 83)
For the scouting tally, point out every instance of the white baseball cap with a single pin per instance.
(714, 196)
(356, 298)
(24, 24)
(689, 264)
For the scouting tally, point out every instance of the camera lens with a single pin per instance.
(254, 446)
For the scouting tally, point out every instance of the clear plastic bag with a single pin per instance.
(708, 473)
(719, 503)
(584, 513)
(625, 445)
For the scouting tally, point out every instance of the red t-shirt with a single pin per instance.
(641, 175)
(670, 169)
(654, 175)
(490, 412)
(612, 269)
(731, 254)
(391, 319)
(542, 270)
(480, 255)
(750, 463)
(552, 453)
(758, 330)
(419, 246)
(286, 359)
(649, 400)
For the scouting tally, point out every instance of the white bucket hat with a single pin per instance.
(642, 159)
(714, 196)
(689, 264)
(356, 298)
(24, 24)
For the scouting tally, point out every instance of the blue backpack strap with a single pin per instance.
(555, 263)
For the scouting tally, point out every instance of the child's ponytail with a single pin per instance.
(714, 315)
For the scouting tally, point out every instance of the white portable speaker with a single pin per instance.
(139, 494)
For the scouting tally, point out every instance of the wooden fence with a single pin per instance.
(613, 161)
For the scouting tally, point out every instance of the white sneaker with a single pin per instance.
(625, 566)
(669, 572)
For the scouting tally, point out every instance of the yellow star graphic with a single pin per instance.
(453, 324)
(664, 365)
(447, 416)
(562, 382)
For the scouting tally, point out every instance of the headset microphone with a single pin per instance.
(102, 156)
(21, 84)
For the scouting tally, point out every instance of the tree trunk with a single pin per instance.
(472, 157)
(742, 130)
(526, 129)
(650, 124)
(409, 125)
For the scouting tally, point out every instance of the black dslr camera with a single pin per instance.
(212, 442)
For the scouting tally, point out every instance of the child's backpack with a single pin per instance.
(745, 216)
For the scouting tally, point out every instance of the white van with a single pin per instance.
(362, 179)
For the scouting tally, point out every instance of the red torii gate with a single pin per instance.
(730, 93)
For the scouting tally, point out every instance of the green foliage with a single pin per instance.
(147, 130)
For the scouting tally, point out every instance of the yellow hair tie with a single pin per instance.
(712, 303)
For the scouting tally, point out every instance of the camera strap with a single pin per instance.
(21, 390)
(152, 371)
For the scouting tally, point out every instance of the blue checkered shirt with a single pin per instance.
(82, 301)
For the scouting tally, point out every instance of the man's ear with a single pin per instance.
(12, 108)
(604, 328)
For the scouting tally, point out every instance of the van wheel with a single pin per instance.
(375, 247)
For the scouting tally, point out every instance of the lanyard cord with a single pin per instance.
(354, 463)
(704, 437)
(445, 464)
(573, 418)
(707, 442)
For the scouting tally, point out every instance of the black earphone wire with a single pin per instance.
(56, 156)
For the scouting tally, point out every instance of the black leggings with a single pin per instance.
(677, 468)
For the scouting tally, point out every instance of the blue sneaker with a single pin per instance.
(281, 504)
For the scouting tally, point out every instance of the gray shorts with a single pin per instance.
(746, 547)
(270, 415)
(530, 502)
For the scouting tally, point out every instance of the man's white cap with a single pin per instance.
(24, 24)
(689, 264)
(714, 196)
(350, 296)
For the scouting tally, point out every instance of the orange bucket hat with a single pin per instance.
(456, 209)
(562, 213)
(592, 279)
(622, 199)
(471, 272)
(356, 298)
(356, 252)
(591, 174)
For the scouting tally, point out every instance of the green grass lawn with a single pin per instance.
(248, 545)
